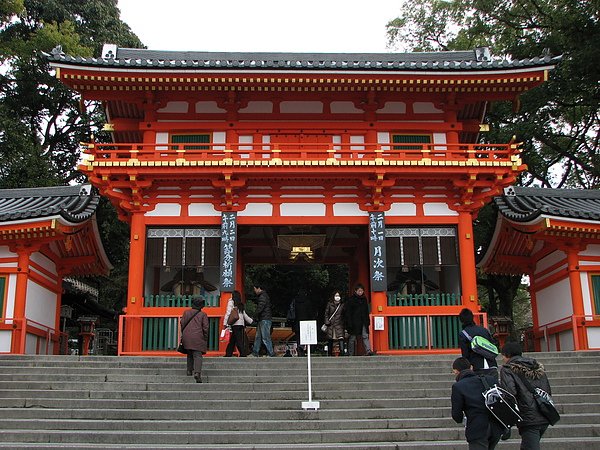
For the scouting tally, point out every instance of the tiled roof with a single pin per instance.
(478, 59)
(522, 204)
(75, 204)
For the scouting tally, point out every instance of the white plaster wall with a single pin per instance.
(393, 108)
(425, 108)
(257, 209)
(302, 209)
(554, 302)
(6, 253)
(207, 107)
(586, 293)
(566, 341)
(402, 209)
(550, 260)
(5, 341)
(438, 209)
(301, 107)
(344, 108)
(258, 107)
(348, 209)
(165, 209)
(593, 338)
(202, 209)
(591, 250)
(175, 107)
(45, 263)
(219, 137)
(162, 138)
(41, 304)
(10, 296)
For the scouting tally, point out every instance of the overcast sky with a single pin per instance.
(343, 26)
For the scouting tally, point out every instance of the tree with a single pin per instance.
(42, 121)
(558, 122)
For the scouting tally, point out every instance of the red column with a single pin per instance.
(466, 248)
(135, 288)
(18, 337)
(576, 294)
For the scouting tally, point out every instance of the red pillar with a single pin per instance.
(18, 337)
(466, 248)
(135, 288)
(576, 294)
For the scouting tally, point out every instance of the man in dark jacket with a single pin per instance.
(264, 317)
(481, 431)
(356, 314)
(480, 364)
(516, 365)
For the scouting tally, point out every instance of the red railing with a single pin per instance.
(299, 152)
(579, 327)
(43, 340)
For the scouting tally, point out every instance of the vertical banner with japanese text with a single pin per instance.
(377, 251)
(228, 250)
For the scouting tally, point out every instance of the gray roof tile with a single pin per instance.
(523, 204)
(426, 61)
(75, 204)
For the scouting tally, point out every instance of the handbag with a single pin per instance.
(180, 347)
(325, 326)
(225, 335)
(543, 400)
(234, 316)
(501, 404)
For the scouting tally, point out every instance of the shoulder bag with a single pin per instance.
(325, 326)
(543, 400)
(180, 347)
(234, 316)
(482, 346)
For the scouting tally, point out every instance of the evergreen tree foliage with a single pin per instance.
(558, 122)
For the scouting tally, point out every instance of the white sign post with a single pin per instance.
(308, 337)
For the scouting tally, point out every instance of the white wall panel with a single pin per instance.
(5, 252)
(402, 209)
(5, 341)
(202, 209)
(41, 304)
(554, 302)
(438, 209)
(348, 209)
(257, 210)
(302, 209)
(165, 209)
(593, 335)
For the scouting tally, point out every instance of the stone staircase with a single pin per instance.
(77, 402)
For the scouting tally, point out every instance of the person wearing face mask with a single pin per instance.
(334, 320)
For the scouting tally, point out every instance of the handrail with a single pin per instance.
(16, 325)
(574, 323)
(101, 152)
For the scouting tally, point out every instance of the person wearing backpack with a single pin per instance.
(481, 364)
(516, 372)
(481, 431)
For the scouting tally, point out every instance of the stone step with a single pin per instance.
(512, 444)
(281, 436)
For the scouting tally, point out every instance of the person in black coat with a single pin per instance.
(480, 364)
(356, 317)
(303, 311)
(481, 431)
(534, 424)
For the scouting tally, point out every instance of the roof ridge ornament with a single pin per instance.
(57, 51)
(510, 191)
(483, 54)
(109, 51)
